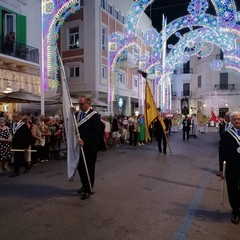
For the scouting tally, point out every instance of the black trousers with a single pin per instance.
(20, 161)
(233, 184)
(161, 139)
(186, 132)
(91, 157)
(133, 136)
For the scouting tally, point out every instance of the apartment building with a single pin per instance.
(20, 34)
(84, 49)
(205, 87)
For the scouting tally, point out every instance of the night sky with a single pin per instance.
(173, 9)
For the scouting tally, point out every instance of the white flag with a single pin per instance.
(73, 148)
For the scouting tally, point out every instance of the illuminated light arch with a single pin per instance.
(225, 10)
(54, 13)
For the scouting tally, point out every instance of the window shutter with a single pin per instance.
(21, 29)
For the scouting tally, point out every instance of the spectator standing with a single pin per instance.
(5, 145)
(115, 131)
(133, 134)
(107, 130)
(141, 129)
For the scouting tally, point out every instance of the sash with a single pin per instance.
(235, 136)
(17, 127)
(86, 118)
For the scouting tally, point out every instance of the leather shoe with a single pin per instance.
(235, 219)
(85, 195)
(81, 190)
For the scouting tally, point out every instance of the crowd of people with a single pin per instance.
(20, 133)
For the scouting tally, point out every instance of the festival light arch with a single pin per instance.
(54, 13)
(224, 22)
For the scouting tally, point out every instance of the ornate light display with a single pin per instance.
(198, 7)
(54, 13)
(216, 65)
(204, 49)
(221, 30)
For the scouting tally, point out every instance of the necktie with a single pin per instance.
(83, 115)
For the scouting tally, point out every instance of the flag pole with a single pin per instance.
(223, 181)
(73, 116)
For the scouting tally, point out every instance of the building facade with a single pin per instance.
(84, 49)
(205, 87)
(20, 33)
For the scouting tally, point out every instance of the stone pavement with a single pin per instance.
(140, 194)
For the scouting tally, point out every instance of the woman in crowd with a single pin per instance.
(141, 129)
(5, 145)
(56, 129)
(107, 130)
(37, 135)
(47, 134)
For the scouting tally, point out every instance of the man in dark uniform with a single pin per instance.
(186, 127)
(89, 126)
(160, 133)
(22, 138)
(229, 151)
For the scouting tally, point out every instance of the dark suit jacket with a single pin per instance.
(159, 131)
(22, 138)
(91, 132)
(228, 152)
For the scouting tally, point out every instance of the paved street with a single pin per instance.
(140, 194)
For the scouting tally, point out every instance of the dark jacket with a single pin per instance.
(228, 152)
(186, 124)
(22, 138)
(91, 132)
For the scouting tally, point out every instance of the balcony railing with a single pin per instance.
(19, 50)
(186, 93)
(225, 87)
(186, 71)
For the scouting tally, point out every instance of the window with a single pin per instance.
(123, 18)
(135, 82)
(110, 8)
(9, 22)
(104, 38)
(199, 81)
(116, 14)
(121, 78)
(74, 72)
(186, 89)
(103, 4)
(223, 81)
(73, 36)
(104, 72)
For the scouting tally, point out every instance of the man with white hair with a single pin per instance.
(229, 151)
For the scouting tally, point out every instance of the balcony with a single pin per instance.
(186, 93)
(226, 87)
(186, 71)
(18, 50)
(127, 60)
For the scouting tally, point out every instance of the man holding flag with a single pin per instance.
(83, 132)
(89, 127)
(151, 113)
